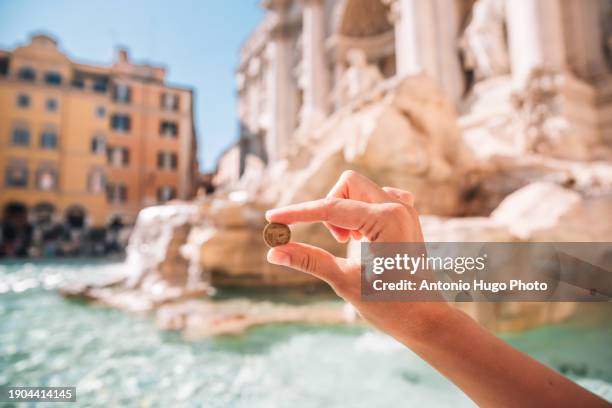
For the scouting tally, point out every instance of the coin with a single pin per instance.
(276, 234)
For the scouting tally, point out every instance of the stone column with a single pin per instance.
(449, 73)
(426, 41)
(315, 71)
(281, 85)
(584, 37)
(414, 36)
(535, 33)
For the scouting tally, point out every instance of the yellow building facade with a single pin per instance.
(90, 144)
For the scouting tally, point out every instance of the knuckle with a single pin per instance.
(309, 264)
(396, 211)
(374, 235)
(304, 261)
(329, 203)
(348, 175)
(409, 198)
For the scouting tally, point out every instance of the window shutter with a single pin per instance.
(110, 192)
(126, 156)
(122, 192)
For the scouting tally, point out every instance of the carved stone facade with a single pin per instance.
(298, 67)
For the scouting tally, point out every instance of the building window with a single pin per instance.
(110, 193)
(23, 101)
(16, 175)
(116, 193)
(166, 193)
(101, 111)
(170, 102)
(100, 86)
(75, 217)
(168, 129)
(27, 74)
(4, 66)
(78, 83)
(122, 190)
(96, 182)
(98, 144)
(120, 123)
(43, 213)
(46, 179)
(51, 105)
(118, 156)
(21, 136)
(167, 161)
(48, 139)
(121, 93)
(53, 78)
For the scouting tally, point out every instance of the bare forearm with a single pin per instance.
(490, 371)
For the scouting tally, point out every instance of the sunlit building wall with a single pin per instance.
(90, 144)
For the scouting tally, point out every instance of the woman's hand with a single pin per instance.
(487, 369)
(358, 207)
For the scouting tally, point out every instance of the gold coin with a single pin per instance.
(276, 234)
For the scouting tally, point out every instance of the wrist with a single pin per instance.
(434, 323)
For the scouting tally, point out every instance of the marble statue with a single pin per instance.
(541, 128)
(484, 43)
(358, 78)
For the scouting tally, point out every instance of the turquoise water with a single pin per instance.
(115, 359)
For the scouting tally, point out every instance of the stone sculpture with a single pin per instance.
(484, 41)
(359, 78)
(541, 127)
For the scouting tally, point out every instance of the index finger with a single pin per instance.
(349, 214)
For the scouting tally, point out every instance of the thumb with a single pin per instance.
(305, 258)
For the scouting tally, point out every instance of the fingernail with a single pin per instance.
(278, 257)
(268, 214)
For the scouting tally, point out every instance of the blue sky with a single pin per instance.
(197, 40)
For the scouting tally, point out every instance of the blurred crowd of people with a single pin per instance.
(21, 236)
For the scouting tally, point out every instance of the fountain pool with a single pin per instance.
(117, 359)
